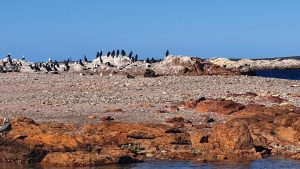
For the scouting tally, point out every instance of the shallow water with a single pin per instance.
(258, 164)
(292, 74)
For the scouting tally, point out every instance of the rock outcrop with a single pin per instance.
(184, 65)
(250, 132)
(246, 65)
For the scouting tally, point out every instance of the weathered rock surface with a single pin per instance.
(251, 132)
(249, 64)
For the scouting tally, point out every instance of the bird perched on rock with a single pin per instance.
(4, 129)
(130, 54)
(167, 53)
(118, 53)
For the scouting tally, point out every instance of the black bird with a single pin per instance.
(67, 64)
(153, 60)
(47, 67)
(36, 67)
(167, 53)
(123, 53)
(113, 53)
(147, 60)
(56, 63)
(118, 53)
(85, 58)
(98, 55)
(135, 58)
(130, 54)
(108, 54)
(80, 62)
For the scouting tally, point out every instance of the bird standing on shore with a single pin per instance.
(4, 129)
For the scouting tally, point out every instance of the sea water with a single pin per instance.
(257, 164)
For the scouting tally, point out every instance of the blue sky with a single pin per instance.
(62, 29)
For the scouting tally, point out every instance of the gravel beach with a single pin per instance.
(75, 98)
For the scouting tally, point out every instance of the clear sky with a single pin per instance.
(207, 28)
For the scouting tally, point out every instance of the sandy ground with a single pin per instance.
(71, 98)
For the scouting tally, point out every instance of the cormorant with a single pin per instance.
(80, 62)
(56, 63)
(98, 55)
(36, 67)
(123, 53)
(113, 53)
(118, 53)
(135, 58)
(130, 54)
(167, 53)
(85, 58)
(67, 64)
(152, 60)
(108, 54)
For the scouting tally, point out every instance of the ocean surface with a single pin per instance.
(258, 164)
(291, 74)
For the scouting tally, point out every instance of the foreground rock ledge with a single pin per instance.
(252, 132)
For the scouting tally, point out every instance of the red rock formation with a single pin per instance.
(219, 105)
(250, 133)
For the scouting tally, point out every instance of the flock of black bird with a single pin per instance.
(54, 65)
(117, 53)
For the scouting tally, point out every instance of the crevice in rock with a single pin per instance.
(263, 150)
(204, 139)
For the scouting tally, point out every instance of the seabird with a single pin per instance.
(118, 53)
(113, 53)
(167, 53)
(80, 62)
(135, 58)
(130, 54)
(123, 53)
(108, 54)
(85, 58)
(98, 55)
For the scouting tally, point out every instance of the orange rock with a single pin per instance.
(191, 104)
(220, 106)
(231, 136)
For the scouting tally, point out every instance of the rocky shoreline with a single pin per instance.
(250, 132)
(125, 114)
